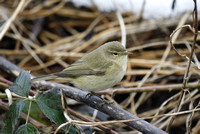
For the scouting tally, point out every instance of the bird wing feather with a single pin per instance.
(79, 68)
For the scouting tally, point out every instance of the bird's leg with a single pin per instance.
(106, 102)
(95, 94)
(92, 93)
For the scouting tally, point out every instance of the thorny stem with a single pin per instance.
(195, 26)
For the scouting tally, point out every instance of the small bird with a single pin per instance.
(98, 70)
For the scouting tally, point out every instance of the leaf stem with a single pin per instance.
(29, 110)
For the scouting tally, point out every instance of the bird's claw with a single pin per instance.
(104, 100)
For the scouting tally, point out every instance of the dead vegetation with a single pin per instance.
(46, 36)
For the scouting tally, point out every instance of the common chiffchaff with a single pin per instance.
(100, 69)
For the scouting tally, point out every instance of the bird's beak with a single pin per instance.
(126, 53)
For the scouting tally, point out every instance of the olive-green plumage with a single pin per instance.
(100, 69)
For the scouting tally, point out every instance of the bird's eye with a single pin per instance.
(115, 54)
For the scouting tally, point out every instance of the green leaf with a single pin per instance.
(50, 104)
(13, 115)
(22, 84)
(26, 129)
(35, 112)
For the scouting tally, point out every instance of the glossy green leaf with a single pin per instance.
(22, 84)
(26, 129)
(50, 104)
(13, 115)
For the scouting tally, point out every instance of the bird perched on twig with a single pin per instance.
(98, 70)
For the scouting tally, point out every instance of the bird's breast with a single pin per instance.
(114, 74)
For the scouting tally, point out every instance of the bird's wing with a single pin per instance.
(79, 68)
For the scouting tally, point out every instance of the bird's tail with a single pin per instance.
(45, 77)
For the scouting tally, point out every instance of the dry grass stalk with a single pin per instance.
(66, 33)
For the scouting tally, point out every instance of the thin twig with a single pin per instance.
(169, 87)
(185, 79)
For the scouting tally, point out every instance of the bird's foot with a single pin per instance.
(92, 94)
(104, 100)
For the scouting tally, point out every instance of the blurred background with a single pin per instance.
(45, 36)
